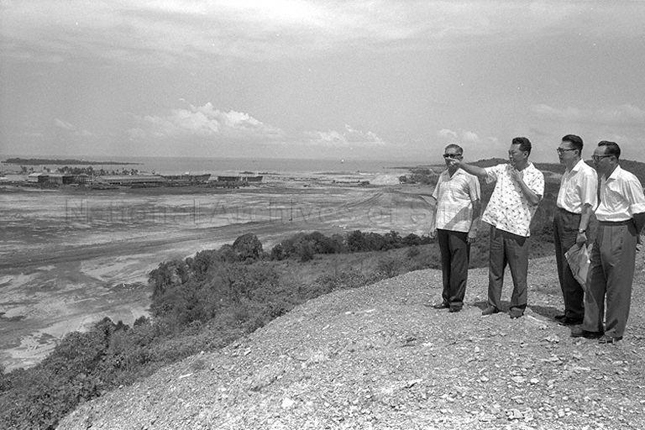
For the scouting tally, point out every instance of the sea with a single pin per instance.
(215, 166)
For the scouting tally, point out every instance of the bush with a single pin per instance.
(247, 247)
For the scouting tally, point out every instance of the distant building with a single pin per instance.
(130, 180)
(82, 178)
(187, 178)
(239, 178)
(38, 178)
(60, 178)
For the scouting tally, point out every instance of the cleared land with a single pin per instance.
(70, 257)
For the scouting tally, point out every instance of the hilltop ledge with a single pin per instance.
(377, 358)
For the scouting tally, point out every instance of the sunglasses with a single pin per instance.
(597, 158)
(562, 150)
(451, 155)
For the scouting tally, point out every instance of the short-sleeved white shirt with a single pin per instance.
(508, 208)
(621, 196)
(455, 196)
(578, 188)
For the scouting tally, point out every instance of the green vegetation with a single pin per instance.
(201, 304)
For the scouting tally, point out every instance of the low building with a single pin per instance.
(187, 178)
(60, 178)
(133, 180)
(38, 178)
(240, 178)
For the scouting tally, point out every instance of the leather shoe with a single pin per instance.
(578, 332)
(516, 313)
(559, 317)
(440, 306)
(490, 311)
(454, 309)
(609, 339)
(566, 321)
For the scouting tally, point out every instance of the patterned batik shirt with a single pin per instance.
(455, 196)
(508, 208)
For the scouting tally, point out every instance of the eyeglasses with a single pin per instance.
(562, 150)
(451, 155)
(597, 158)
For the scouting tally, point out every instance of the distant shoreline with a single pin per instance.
(67, 161)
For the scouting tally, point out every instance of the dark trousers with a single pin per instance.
(565, 231)
(455, 256)
(512, 250)
(611, 273)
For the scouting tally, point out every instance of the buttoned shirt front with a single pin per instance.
(455, 196)
(578, 187)
(508, 208)
(621, 196)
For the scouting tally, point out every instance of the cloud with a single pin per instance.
(463, 136)
(208, 124)
(622, 115)
(71, 129)
(64, 125)
(349, 137)
(171, 30)
(205, 122)
(448, 134)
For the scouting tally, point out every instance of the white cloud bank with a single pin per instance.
(71, 129)
(213, 125)
(347, 138)
(626, 115)
(206, 122)
(171, 30)
(464, 136)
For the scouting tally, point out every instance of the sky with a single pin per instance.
(363, 79)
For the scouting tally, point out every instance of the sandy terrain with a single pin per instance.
(70, 258)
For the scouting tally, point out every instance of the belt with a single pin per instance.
(626, 222)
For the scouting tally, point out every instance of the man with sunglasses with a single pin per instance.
(519, 187)
(576, 200)
(621, 217)
(455, 222)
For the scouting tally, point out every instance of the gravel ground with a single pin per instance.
(378, 358)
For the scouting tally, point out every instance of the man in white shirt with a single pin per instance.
(577, 198)
(621, 217)
(457, 207)
(518, 190)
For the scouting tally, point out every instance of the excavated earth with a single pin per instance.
(378, 358)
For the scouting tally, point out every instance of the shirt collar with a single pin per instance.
(615, 173)
(578, 165)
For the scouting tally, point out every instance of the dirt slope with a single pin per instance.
(377, 358)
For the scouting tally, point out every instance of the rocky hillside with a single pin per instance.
(377, 358)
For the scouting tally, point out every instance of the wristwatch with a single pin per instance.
(582, 231)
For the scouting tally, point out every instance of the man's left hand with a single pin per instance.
(581, 238)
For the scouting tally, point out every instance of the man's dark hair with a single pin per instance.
(457, 147)
(524, 142)
(612, 148)
(575, 141)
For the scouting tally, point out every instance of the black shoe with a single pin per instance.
(559, 317)
(609, 339)
(578, 332)
(490, 311)
(454, 309)
(441, 306)
(566, 321)
(516, 313)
